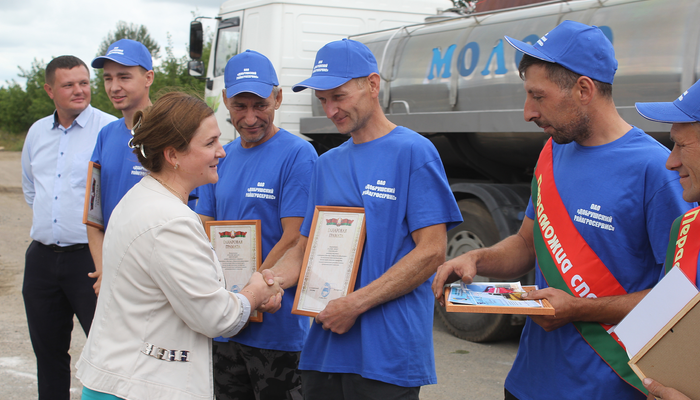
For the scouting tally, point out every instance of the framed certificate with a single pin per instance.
(331, 259)
(92, 211)
(238, 247)
(672, 357)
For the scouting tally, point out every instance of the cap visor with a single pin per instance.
(320, 83)
(99, 62)
(528, 49)
(663, 112)
(257, 88)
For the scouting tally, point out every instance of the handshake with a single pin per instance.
(264, 292)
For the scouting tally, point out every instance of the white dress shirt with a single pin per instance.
(54, 173)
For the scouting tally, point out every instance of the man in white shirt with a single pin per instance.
(54, 171)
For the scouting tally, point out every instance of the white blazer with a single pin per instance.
(162, 298)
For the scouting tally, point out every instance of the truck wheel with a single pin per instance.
(478, 230)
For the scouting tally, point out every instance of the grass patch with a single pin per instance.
(12, 141)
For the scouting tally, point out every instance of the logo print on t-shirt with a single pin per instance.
(379, 190)
(261, 192)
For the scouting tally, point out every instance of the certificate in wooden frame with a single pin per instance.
(546, 308)
(238, 246)
(331, 259)
(92, 210)
(672, 356)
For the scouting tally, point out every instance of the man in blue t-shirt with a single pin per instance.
(265, 176)
(377, 339)
(616, 198)
(128, 76)
(684, 114)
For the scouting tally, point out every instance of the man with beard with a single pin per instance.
(596, 227)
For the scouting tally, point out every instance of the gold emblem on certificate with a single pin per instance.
(92, 211)
(238, 247)
(331, 259)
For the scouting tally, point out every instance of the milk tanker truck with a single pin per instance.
(454, 79)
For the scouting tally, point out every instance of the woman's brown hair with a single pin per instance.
(170, 122)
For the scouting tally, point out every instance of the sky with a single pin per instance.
(44, 29)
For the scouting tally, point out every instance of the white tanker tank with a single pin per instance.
(455, 80)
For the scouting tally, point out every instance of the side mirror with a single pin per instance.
(195, 68)
(196, 40)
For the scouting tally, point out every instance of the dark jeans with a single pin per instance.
(324, 386)
(56, 287)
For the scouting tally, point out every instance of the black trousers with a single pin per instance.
(323, 386)
(56, 287)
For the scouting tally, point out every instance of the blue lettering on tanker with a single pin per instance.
(462, 59)
(441, 63)
(500, 60)
(468, 58)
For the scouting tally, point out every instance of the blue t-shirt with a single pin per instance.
(622, 201)
(400, 181)
(267, 182)
(120, 168)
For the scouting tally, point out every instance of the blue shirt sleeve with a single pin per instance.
(293, 201)
(97, 152)
(430, 199)
(206, 204)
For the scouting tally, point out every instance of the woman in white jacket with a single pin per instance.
(163, 293)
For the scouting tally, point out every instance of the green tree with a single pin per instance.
(41, 104)
(172, 74)
(20, 107)
(131, 31)
(13, 113)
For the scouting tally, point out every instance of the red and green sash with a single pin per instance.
(568, 263)
(684, 244)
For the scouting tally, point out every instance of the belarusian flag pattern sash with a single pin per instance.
(684, 244)
(568, 263)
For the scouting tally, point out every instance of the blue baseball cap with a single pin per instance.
(250, 72)
(685, 109)
(338, 62)
(577, 47)
(126, 52)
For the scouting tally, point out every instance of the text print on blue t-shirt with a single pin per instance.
(595, 218)
(379, 191)
(261, 192)
(138, 170)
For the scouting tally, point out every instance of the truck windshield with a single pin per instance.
(227, 39)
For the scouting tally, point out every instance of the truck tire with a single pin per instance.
(478, 230)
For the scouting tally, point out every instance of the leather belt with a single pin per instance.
(65, 249)
(165, 354)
